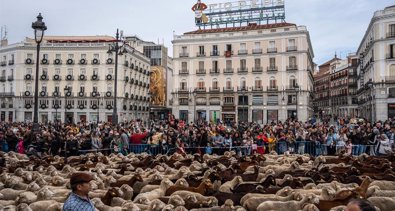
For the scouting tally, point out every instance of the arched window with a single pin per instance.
(228, 83)
(292, 61)
(183, 85)
(243, 83)
(215, 83)
(200, 84)
(292, 81)
(272, 82)
(258, 82)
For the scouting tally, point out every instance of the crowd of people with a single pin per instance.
(349, 136)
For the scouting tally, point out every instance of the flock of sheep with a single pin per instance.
(195, 182)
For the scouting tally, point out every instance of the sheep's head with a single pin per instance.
(310, 207)
(165, 184)
(228, 204)
(182, 182)
(285, 191)
(58, 180)
(27, 176)
(23, 207)
(138, 177)
(212, 201)
(168, 207)
(208, 184)
(45, 194)
(176, 200)
(130, 206)
(156, 205)
(180, 208)
(33, 187)
(143, 200)
(18, 172)
(311, 198)
(288, 177)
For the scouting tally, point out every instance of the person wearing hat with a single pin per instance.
(78, 199)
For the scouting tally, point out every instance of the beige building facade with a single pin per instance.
(83, 66)
(376, 68)
(255, 73)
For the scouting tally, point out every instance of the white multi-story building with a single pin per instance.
(76, 80)
(376, 69)
(259, 73)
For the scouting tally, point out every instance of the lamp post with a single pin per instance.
(194, 106)
(370, 86)
(119, 50)
(39, 28)
(297, 100)
(66, 89)
(98, 108)
(56, 111)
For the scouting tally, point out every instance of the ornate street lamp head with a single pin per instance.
(39, 28)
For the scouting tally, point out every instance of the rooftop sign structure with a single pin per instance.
(239, 13)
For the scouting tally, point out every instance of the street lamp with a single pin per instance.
(370, 86)
(56, 111)
(66, 90)
(194, 105)
(297, 100)
(98, 107)
(39, 28)
(119, 50)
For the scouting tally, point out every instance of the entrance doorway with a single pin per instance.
(69, 119)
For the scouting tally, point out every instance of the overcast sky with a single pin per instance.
(334, 25)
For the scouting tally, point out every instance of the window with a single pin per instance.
(243, 100)
(272, 100)
(44, 87)
(95, 71)
(215, 66)
(272, 82)
(29, 71)
(83, 56)
(96, 56)
(11, 88)
(201, 65)
(109, 71)
(200, 84)
(29, 55)
(71, 56)
(257, 45)
(45, 71)
(183, 85)
(83, 71)
(57, 71)
(58, 56)
(57, 88)
(228, 64)
(228, 100)
(82, 88)
(272, 44)
(215, 84)
(215, 49)
(184, 49)
(292, 61)
(257, 63)
(392, 51)
(291, 42)
(242, 46)
(228, 83)
(184, 66)
(201, 50)
(109, 87)
(391, 30)
(258, 83)
(70, 71)
(45, 56)
(257, 100)
(392, 70)
(243, 83)
(228, 47)
(243, 64)
(292, 81)
(272, 62)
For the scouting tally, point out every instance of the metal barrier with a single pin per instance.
(148, 148)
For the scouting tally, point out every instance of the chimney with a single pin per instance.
(4, 43)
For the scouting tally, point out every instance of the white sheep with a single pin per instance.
(26, 197)
(156, 205)
(376, 191)
(339, 208)
(41, 205)
(228, 186)
(383, 185)
(176, 200)
(383, 203)
(10, 194)
(289, 205)
(253, 203)
(127, 192)
(154, 194)
(187, 195)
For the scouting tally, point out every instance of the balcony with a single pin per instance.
(291, 87)
(11, 62)
(257, 88)
(228, 53)
(183, 90)
(214, 71)
(3, 78)
(242, 70)
(214, 53)
(3, 63)
(243, 52)
(242, 89)
(183, 54)
(183, 102)
(390, 34)
(228, 71)
(7, 94)
(10, 78)
(183, 72)
(257, 69)
(272, 50)
(201, 103)
(214, 89)
(200, 89)
(390, 79)
(257, 51)
(292, 48)
(292, 67)
(272, 88)
(272, 69)
(391, 56)
(200, 71)
(200, 54)
(228, 89)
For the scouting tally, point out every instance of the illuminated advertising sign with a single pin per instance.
(239, 12)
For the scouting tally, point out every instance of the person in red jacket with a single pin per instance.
(137, 138)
